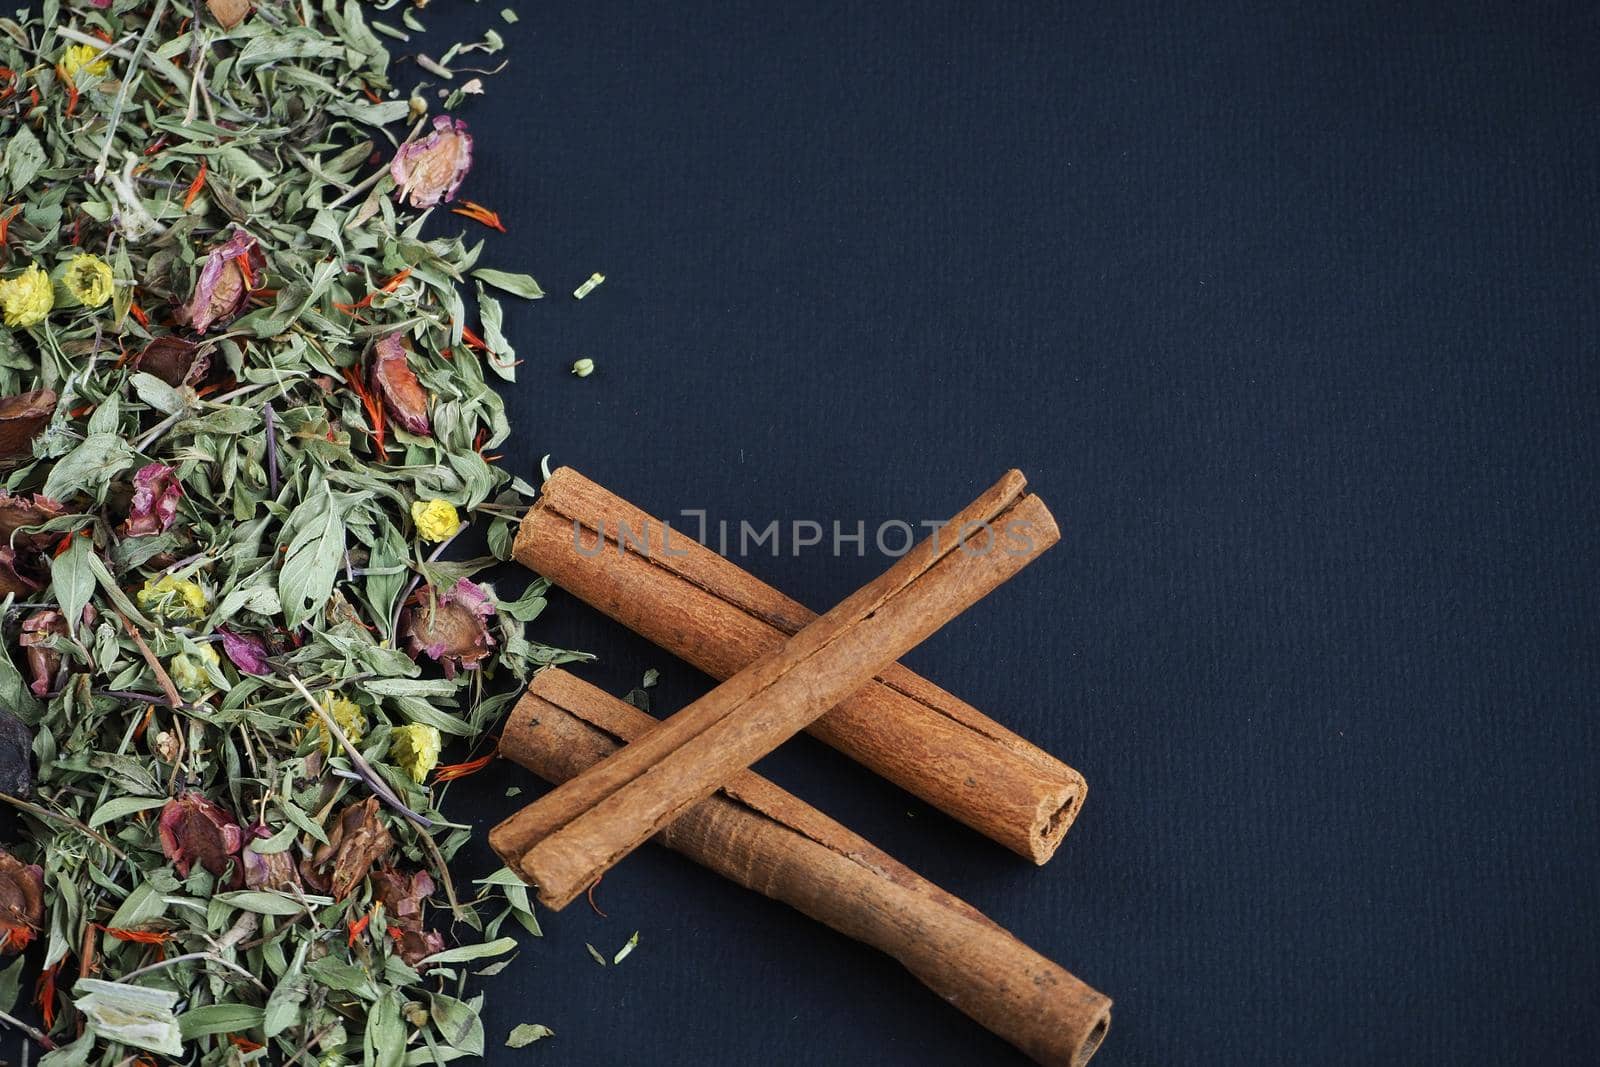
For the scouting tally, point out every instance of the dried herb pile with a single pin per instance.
(243, 412)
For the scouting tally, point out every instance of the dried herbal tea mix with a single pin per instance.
(243, 413)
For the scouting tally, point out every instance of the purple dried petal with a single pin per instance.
(246, 651)
(396, 384)
(268, 870)
(450, 629)
(156, 493)
(194, 830)
(431, 170)
(224, 284)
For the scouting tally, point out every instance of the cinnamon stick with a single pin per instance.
(565, 840)
(661, 583)
(755, 834)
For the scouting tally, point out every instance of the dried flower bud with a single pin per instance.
(396, 384)
(358, 840)
(342, 710)
(246, 651)
(415, 749)
(21, 902)
(156, 493)
(174, 360)
(173, 599)
(89, 279)
(231, 270)
(583, 368)
(436, 520)
(189, 672)
(450, 626)
(27, 298)
(194, 830)
(22, 418)
(43, 661)
(431, 170)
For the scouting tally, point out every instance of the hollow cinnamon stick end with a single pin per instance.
(1058, 810)
(1093, 1036)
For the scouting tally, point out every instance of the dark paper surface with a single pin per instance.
(1289, 313)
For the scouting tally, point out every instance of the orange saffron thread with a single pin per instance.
(45, 995)
(5, 221)
(359, 927)
(374, 410)
(194, 191)
(451, 771)
(395, 282)
(72, 96)
(138, 313)
(473, 340)
(478, 213)
(244, 1044)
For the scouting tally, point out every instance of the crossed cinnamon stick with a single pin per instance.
(662, 780)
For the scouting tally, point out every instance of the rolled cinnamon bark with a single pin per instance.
(565, 840)
(661, 583)
(753, 833)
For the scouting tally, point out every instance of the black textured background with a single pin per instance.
(1289, 312)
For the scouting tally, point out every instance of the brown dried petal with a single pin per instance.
(358, 840)
(270, 870)
(22, 418)
(21, 902)
(173, 360)
(416, 944)
(43, 662)
(12, 580)
(401, 894)
(19, 511)
(396, 384)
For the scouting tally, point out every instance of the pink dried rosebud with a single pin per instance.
(450, 626)
(394, 381)
(247, 651)
(21, 902)
(43, 661)
(174, 360)
(232, 270)
(194, 830)
(156, 493)
(358, 840)
(431, 170)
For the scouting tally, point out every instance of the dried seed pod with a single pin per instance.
(357, 841)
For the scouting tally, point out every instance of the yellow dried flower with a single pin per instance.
(344, 711)
(173, 599)
(436, 519)
(188, 672)
(89, 279)
(27, 298)
(82, 57)
(414, 748)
